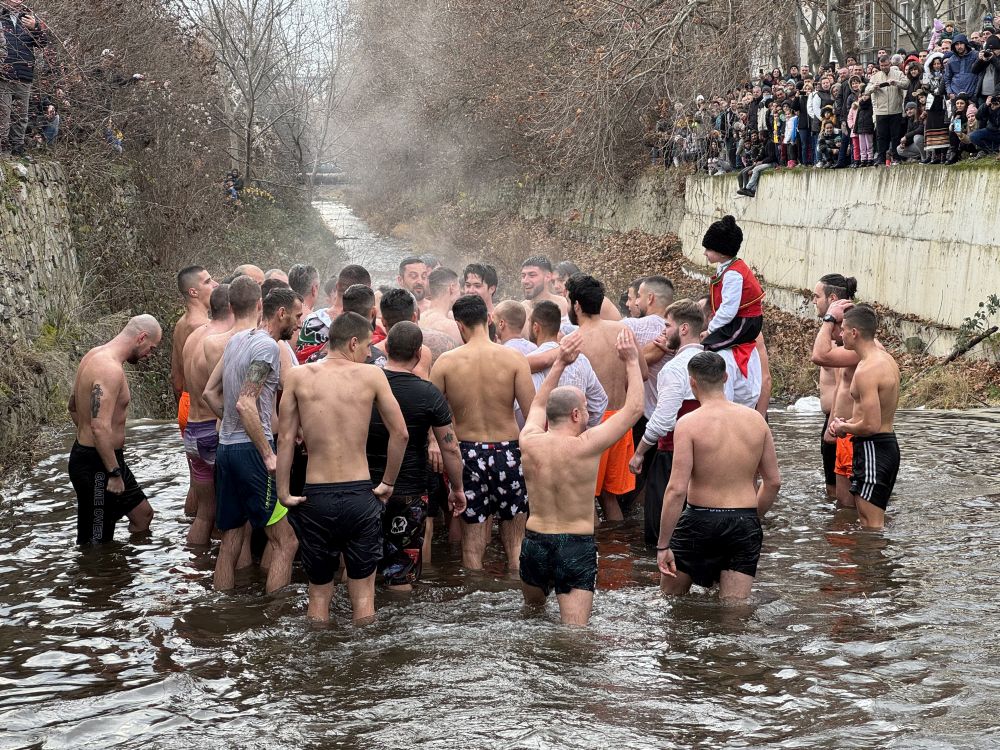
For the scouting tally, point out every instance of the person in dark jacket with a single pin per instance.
(23, 33)
(911, 147)
(987, 136)
(958, 75)
(987, 69)
(768, 159)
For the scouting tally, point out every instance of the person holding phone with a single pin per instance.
(887, 88)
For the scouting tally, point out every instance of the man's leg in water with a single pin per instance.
(675, 586)
(191, 499)
(283, 543)
(140, 517)
(475, 537)
(512, 534)
(576, 606)
(871, 516)
(246, 554)
(533, 596)
(201, 530)
(611, 507)
(425, 553)
(319, 601)
(844, 497)
(225, 566)
(734, 586)
(362, 593)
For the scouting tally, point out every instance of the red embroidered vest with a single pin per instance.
(753, 295)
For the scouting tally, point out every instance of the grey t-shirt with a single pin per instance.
(243, 349)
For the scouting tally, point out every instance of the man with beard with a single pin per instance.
(536, 277)
(241, 391)
(106, 490)
(412, 277)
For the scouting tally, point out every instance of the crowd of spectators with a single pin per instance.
(933, 106)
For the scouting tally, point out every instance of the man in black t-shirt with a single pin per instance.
(424, 408)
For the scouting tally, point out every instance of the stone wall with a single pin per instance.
(39, 275)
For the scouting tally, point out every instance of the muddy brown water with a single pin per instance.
(853, 639)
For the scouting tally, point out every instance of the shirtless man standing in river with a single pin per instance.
(481, 381)
(829, 289)
(201, 438)
(536, 279)
(340, 513)
(875, 395)
(106, 490)
(195, 285)
(719, 449)
(560, 466)
(586, 295)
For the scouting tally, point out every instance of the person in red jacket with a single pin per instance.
(737, 297)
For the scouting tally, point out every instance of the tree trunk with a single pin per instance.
(847, 22)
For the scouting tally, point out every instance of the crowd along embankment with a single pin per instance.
(923, 242)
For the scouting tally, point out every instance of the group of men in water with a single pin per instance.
(336, 431)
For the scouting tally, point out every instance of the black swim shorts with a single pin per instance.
(829, 453)
(338, 518)
(493, 480)
(403, 526)
(244, 489)
(97, 509)
(875, 466)
(708, 541)
(560, 561)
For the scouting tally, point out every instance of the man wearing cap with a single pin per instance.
(911, 146)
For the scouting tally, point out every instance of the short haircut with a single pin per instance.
(408, 261)
(404, 341)
(397, 305)
(431, 261)
(486, 272)
(272, 272)
(282, 297)
(270, 285)
(358, 299)
(219, 301)
(661, 287)
(438, 281)
(864, 319)
(566, 268)
(243, 295)
(351, 275)
(302, 277)
(548, 317)
(687, 311)
(330, 287)
(708, 369)
(538, 261)
(586, 290)
(845, 287)
(347, 326)
(470, 310)
(187, 278)
(634, 286)
(562, 401)
(512, 313)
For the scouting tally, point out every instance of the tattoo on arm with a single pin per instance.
(449, 437)
(95, 400)
(255, 377)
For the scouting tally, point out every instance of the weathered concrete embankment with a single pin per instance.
(922, 241)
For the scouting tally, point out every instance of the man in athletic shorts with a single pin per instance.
(482, 381)
(106, 490)
(560, 466)
(829, 289)
(340, 513)
(195, 285)
(719, 450)
(241, 391)
(586, 295)
(201, 438)
(875, 394)
(424, 410)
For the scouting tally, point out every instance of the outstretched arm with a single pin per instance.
(565, 353)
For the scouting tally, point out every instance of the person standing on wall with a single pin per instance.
(22, 33)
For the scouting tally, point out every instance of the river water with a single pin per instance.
(853, 638)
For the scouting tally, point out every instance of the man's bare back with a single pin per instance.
(198, 368)
(598, 346)
(192, 319)
(481, 381)
(432, 320)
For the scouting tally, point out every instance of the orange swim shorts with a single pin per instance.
(613, 475)
(845, 457)
(183, 407)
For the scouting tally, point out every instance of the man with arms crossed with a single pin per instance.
(106, 491)
(560, 465)
(482, 380)
(241, 391)
(875, 394)
(719, 449)
(331, 402)
(201, 438)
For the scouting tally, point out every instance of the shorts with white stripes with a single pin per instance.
(876, 463)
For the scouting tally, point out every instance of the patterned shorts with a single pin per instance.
(493, 480)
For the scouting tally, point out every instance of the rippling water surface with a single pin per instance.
(854, 639)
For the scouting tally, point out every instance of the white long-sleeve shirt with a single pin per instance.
(732, 293)
(745, 388)
(581, 374)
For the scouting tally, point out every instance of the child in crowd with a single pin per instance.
(789, 141)
(829, 145)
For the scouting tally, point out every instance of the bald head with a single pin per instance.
(562, 402)
(140, 337)
(248, 269)
(143, 324)
(276, 273)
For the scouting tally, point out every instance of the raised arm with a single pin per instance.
(288, 430)
(392, 418)
(598, 439)
(770, 477)
(566, 352)
(673, 498)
